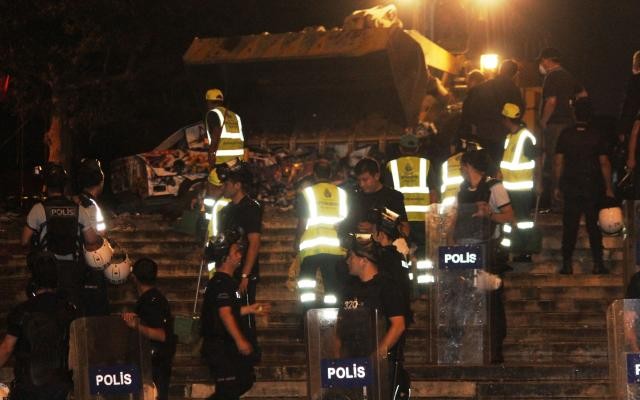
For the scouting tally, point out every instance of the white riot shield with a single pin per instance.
(109, 360)
(623, 328)
(342, 349)
(461, 302)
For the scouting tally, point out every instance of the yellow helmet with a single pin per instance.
(214, 95)
(511, 110)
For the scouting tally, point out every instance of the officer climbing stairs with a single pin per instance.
(556, 347)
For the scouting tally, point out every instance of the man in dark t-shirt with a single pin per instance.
(155, 323)
(38, 336)
(559, 89)
(372, 194)
(582, 179)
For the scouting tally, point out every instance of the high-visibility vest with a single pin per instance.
(327, 205)
(451, 178)
(231, 143)
(410, 178)
(212, 209)
(517, 169)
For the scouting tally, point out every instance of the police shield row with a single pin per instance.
(70, 264)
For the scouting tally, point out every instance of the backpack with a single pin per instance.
(62, 226)
(47, 336)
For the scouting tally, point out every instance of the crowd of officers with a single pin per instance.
(367, 237)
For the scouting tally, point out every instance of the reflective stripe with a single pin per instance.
(424, 264)
(100, 225)
(404, 264)
(525, 225)
(448, 201)
(330, 299)
(213, 216)
(211, 266)
(506, 242)
(426, 278)
(518, 185)
(452, 181)
(230, 153)
(410, 276)
(306, 284)
(320, 241)
(307, 297)
(506, 228)
(208, 216)
(422, 209)
(209, 202)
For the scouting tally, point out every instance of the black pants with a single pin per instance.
(574, 207)
(161, 372)
(49, 392)
(418, 236)
(94, 294)
(71, 275)
(333, 275)
(233, 373)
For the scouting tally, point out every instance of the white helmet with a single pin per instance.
(610, 220)
(98, 259)
(119, 268)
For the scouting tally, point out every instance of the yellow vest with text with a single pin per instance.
(451, 178)
(517, 169)
(409, 176)
(231, 143)
(327, 206)
(211, 214)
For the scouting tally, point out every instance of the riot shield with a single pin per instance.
(461, 304)
(623, 329)
(109, 360)
(342, 352)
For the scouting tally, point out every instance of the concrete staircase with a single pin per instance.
(556, 346)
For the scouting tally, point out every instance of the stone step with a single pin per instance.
(516, 280)
(557, 333)
(544, 390)
(560, 305)
(580, 266)
(554, 293)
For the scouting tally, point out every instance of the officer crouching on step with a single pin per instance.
(376, 291)
(226, 347)
(156, 323)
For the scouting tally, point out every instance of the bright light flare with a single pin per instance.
(489, 62)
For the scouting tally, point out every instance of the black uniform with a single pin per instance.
(41, 326)
(383, 294)
(394, 266)
(153, 310)
(582, 185)
(95, 298)
(232, 371)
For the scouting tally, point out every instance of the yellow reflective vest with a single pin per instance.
(231, 143)
(409, 176)
(327, 206)
(517, 169)
(451, 178)
(212, 210)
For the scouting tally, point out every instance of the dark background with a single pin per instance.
(118, 118)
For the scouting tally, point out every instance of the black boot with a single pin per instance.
(567, 268)
(600, 269)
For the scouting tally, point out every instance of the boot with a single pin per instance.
(567, 268)
(600, 269)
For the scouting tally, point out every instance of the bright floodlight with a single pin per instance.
(489, 62)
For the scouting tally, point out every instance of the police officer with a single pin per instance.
(38, 336)
(91, 183)
(374, 290)
(483, 202)
(411, 175)
(518, 167)
(60, 227)
(245, 213)
(320, 207)
(155, 323)
(451, 176)
(227, 347)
